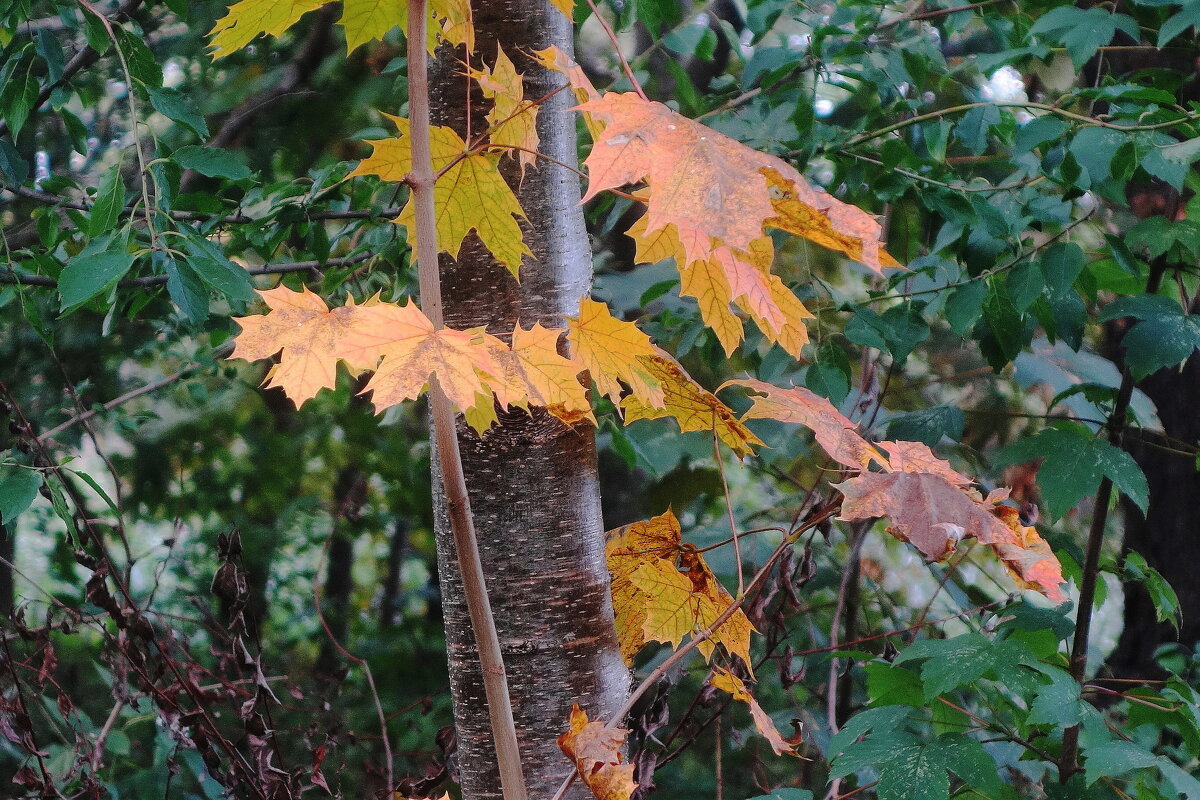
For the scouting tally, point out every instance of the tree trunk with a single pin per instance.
(1166, 537)
(532, 481)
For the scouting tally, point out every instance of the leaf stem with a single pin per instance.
(462, 526)
(1068, 763)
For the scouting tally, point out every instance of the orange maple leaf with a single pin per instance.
(933, 514)
(596, 753)
(837, 435)
(713, 189)
(398, 342)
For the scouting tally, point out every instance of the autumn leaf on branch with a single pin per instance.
(692, 406)
(400, 344)
(713, 198)
(470, 194)
(727, 682)
(512, 121)
(596, 752)
(837, 435)
(363, 20)
(934, 515)
(664, 591)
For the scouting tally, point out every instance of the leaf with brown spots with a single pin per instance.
(596, 752)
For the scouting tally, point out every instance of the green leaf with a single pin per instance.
(212, 162)
(965, 306)
(1188, 16)
(1184, 152)
(891, 685)
(89, 275)
(950, 663)
(1048, 128)
(1083, 32)
(928, 425)
(110, 200)
(1166, 602)
(18, 488)
(973, 129)
(1094, 149)
(13, 167)
(179, 107)
(187, 290)
(913, 770)
(18, 98)
(1073, 463)
(224, 277)
(1115, 758)
(1061, 264)
(1057, 702)
(885, 719)
(785, 794)
(897, 331)
(1163, 337)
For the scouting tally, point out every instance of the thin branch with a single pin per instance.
(1068, 763)
(612, 37)
(458, 502)
(10, 277)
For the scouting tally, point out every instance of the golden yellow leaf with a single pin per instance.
(248, 19)
(596, 753)
(609, 350)
(726, 681)
(363, 21)
(690, 405)
(837, 435)
(512, 120)
(531, 371)
(470, 195)
(567, 7)
(626, 549)
(655, 601)
(822, 218)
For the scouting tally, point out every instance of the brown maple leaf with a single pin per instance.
(596, 753)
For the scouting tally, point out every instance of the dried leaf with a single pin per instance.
(726, 681)
(917, 457)
(596, 753)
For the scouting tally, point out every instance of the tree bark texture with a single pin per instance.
(532, 481)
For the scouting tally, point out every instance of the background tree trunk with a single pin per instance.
(1167, 536)
(533, 482)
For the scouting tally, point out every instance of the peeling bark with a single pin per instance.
(533, 482)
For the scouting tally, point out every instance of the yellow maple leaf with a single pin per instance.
(664, 591)
(596, 752)
(512, 120)
(470, 194)
(531, 371)
(836, 434)
(610, 349)
(692, 406)
(726, 681)
(248, 19)
(363, 21)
